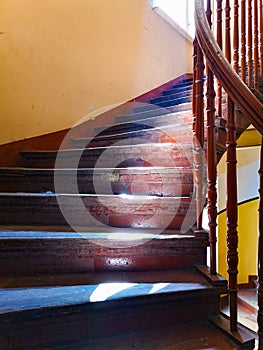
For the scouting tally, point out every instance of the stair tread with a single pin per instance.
(128, 285)
(147, 115)
(162, 128)
(70, 150)
(128, 197)
(138, 170)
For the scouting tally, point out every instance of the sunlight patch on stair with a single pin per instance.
(106, 290)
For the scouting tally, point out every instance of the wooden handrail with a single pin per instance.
(231, 82)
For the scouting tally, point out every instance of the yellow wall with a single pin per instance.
(247, 176)
(61, 59)
(248, 238)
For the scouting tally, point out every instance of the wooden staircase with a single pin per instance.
(98, 240)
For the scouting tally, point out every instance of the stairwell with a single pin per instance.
(99, 247)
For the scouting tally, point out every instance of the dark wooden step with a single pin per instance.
(154, 112)
(179, 132)
(175, 90)
(175, 101)
(125, 122)
(119, 128)
(151, 181)
(185, 82)
(191, 335)
(63, 314)
(30, 251)
(149, 154)
(127, 211)
(171, 97)
(170, 100)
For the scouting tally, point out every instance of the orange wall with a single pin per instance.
(61, 59)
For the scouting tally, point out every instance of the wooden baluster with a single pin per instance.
(199, 137)
(211, 170)
(219, 37)
(231, 202)
(227, 32)
(194, 82)
(209, 12)
(256, 51)
(243, 41)
(260, 254)
(236, 37)
(249, 44)
(261, 35)
(231, 212)
(211, 160)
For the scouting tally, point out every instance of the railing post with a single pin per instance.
(260, 254)
(199, 136)
(236, 38)
(256, 51)
(261, 35)
(243, 41)
(227, 31)
(231, 185)
(219, 37)
(211, 170)
(211, 160)
(249, 44)
(231, 212)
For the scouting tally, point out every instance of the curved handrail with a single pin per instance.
(231, 82)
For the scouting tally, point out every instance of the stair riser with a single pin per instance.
(82, 322)
(164, 155)
(51, 256)
(113, 211)
(162, 185)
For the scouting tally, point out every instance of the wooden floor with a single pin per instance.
(186, 337)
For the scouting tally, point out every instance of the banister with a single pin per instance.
(231, 82)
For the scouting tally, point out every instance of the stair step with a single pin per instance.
(149, 154)
(170, 97)
(120, 128)
(31, 251)
(146, 181)
(163, 133)
(127, 211)
(186, 81)
(154, 112)
(188, 336)
(130, 124)
(166, 102)
(60, 314)
(248, 298)
(175, 90)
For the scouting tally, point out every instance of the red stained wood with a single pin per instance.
(249, 44)
(256, 45)
(75, 253)
(199, 136)
(243, 41)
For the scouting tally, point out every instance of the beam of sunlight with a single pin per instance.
(157, 287)
(106, 290)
